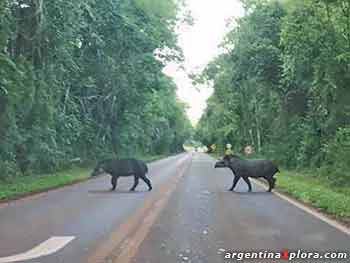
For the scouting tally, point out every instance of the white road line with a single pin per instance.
(311, 211)
(50, 246)
(308, 210)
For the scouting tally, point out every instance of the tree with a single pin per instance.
(284, 82)
(78, 76)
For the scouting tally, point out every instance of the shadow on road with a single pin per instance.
(251, 193)
(115, 192)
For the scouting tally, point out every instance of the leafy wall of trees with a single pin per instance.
(283, 85)
(83, 79)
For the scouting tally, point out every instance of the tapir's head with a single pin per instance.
(226, 161)
(222, 163)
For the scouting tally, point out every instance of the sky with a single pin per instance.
(200, 45)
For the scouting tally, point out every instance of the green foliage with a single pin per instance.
(9, 170)
(337, 152)
(282, 85)
(83, 79)
(246, 81)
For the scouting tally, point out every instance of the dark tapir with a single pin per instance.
(121, 168)
(249, 168)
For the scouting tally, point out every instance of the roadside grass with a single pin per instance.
(22, 186)
(317, 192)
(26, 185)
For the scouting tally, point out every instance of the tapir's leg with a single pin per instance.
(246, 179)
(136, 182)
(272, 182)
(147, 181)
(114, 182)
(235, 181)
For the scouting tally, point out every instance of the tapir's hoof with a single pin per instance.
(112, 189)
(132, 190)
(150, 189)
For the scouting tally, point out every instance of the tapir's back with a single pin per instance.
(125, 167)
(254, 167)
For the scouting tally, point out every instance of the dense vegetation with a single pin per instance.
(282, 85)
(82, 79)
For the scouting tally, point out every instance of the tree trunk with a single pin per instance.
(257, 123)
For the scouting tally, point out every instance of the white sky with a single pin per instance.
(200, 45)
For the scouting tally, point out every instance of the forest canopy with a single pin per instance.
(83, 80)
(282, 85)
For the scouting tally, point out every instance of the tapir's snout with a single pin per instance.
(220, 164)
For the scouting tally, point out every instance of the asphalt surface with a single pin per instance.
(189, 217)
(202, 219)
(88, 211)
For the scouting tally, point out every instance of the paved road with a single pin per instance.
(189, 217)
(87, 211)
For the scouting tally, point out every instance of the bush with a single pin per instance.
(337, 154)
(309, 151)
(9, 171)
